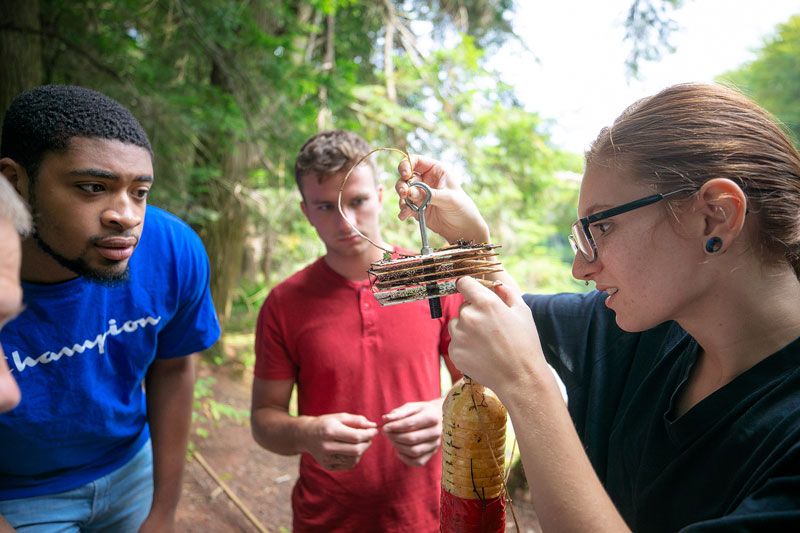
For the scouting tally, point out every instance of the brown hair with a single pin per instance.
(330, 152)
(688, 134)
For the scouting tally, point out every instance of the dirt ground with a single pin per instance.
(260, 480)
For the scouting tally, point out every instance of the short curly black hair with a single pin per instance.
(44, 119)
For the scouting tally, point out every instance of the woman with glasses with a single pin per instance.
(683, 368)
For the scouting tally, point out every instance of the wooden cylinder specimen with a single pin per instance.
(473, 459)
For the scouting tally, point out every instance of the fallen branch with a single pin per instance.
(235, 499)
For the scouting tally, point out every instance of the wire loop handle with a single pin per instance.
(339, 204)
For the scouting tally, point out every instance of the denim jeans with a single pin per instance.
(118, 502)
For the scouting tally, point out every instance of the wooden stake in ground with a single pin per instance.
(235, 499)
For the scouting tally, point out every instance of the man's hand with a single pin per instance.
(337, 441)
(153, 524)
(415, 430)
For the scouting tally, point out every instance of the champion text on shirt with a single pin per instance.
(20, 364)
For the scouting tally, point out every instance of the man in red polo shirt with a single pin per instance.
(368, 377)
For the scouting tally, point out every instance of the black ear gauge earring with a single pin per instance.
(713, 245)
(587, 282)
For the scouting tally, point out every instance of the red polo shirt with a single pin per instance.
(349, 354)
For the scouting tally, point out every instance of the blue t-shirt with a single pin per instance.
(80, 352)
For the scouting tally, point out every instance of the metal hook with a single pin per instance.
(434, 303)
(420, 209)
(425, 202)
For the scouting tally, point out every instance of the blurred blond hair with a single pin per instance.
(13, 208)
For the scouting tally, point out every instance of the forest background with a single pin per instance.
(228, 90)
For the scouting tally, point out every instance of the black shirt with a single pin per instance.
(732, 462)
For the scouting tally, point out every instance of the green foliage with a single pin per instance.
(207, 411)
(773, 78)
(228, 91)
(649, 26)
(488, 21)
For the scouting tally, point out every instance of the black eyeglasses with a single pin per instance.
(582, 240)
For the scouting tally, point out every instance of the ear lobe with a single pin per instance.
(724, 206)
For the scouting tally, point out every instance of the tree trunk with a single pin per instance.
(388, 52)
(301, 43)
(324, 117)
(224, 237)
(20, 50)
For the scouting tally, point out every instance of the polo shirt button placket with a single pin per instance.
(367, 309)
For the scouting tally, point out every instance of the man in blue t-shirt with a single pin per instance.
(117, 301)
